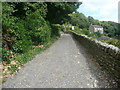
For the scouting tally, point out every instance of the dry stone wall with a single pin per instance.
(108, 56)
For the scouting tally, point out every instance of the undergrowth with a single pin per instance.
(19, 60)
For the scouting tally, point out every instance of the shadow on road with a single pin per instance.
(103, 80)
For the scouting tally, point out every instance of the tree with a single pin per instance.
(80, 20)
(93, 21)
(58, 12)
(31, 23)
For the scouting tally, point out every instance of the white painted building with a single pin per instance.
(72, 28)
(96, 28)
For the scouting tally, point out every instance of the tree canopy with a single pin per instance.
(31, 23)
(58, 12)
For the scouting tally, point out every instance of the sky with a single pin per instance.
(103, 10)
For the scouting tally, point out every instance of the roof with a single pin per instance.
(97, 26)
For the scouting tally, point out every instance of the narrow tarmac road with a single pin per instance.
(64, 65)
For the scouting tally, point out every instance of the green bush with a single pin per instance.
(81, 31)
(113, 42)
(23, 41)
(85, 31)
(39, 29)
(8, 23)
(61, 28)
(56, 28)
(5, 55)
(91, 35)
(22, 46)
(76, 28)
(97, 34)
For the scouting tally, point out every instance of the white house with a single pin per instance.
(96, 28)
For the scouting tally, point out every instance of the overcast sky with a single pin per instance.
(104, 10)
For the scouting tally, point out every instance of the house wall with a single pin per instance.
(91, 29)
(106, 55)
(98, 30)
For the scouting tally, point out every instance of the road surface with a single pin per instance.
(66, 64)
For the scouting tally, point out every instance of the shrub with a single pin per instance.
(39, 29)
(5, 55)
(8, 23)
(23, 41)
(91, 35)
(97, 34)
(113, 42)
(56, 28)
(85, 31)
(76, 28)
(22, 46)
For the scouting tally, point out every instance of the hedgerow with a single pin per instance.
(24, 25)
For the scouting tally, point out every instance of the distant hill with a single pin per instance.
(111, 29)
